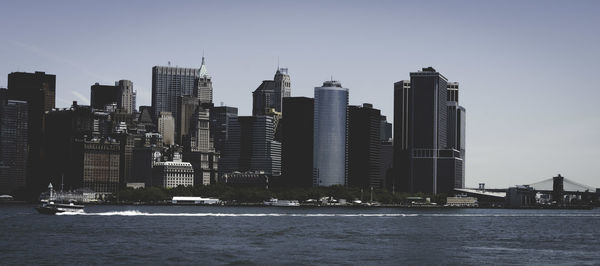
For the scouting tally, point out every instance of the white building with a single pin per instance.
(173, 174)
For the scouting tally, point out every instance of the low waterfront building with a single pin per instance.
(520, 197)
(461, 201)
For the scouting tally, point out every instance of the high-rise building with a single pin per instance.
(199, 149)
(166, 127)
(330, 147)
(13, 143)
(187, 106)
(269, 95)
(258, 149)
(204, 88)
(170, 83)
(120, 94)
(39, 91)
(364, 147)
(454, 165)
(423, 160)
(126, 97)
(386, 129)
(225, 130)
(297, 142)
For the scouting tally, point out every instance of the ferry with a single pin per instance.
(282, 203)
(48, 206)
(54, 208)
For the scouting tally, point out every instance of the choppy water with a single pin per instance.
(266, 235)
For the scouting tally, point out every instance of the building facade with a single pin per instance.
(166, 127)
(99, 161)
(330, 147)
(13, 143)
(269, 95)
(424, 157)
(39, 91)
(174, 173)
(297, 142)
(364, 147)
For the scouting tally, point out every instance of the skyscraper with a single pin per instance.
(297, 141)
(364, 147)
(199, 149)
(166, 127)
(258, 149)
(39, 91)
(204, 89)
(270, 93)
(330, 147)
(13, 143)
(225, 131)
(423, 161)
(120, 94)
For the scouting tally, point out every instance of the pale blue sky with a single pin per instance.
(527, 69)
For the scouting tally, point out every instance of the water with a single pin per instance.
(299, 236)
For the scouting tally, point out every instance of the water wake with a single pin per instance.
(139, 213)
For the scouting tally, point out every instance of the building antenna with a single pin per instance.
(278, 63)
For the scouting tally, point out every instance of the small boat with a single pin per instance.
(53, 208)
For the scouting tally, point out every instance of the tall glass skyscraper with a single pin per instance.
(330, 135)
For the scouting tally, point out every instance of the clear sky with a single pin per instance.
(528, 70)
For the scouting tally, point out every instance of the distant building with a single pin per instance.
(187, 106)
(98, 164)
(200, 150)
(166, 127)
(120, 94)
(258, 149)
(386, 129)
(170, 83)
(13, 143)
(297, 142)
(427, 122)
(203, 84)
(270, 93)
(330, 135)
(520, 197)
(39, 91)
(364, 147)
(174, 173)
(225, 130)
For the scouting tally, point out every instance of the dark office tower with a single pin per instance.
(456, 138)
(364, 147)
(38, 90)
(420, 118)
(297, 142)
(269, 95)
(187, 106)
(225, 131)
(204, 88)
(13, 143)
(387, 162)
(386, 129)
(102, 95)
(258, 149)
(170, 83)
(221, 119)
(63, 128)
(330, 135)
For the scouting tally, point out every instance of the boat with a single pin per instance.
(282, 203)
(48, 206)
(54, 208)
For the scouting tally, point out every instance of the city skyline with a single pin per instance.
(524, 79)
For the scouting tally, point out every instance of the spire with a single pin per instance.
(203, 71)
